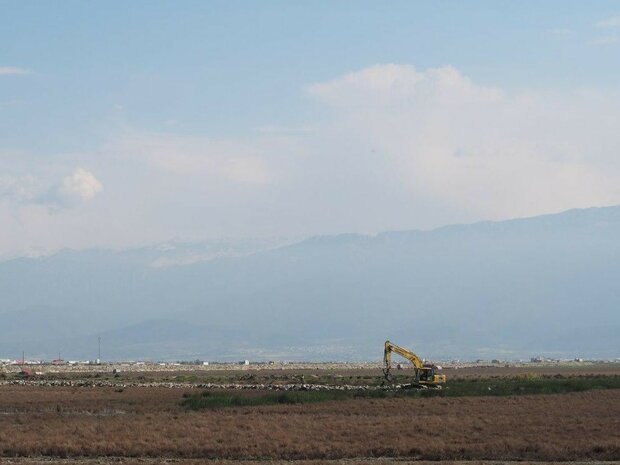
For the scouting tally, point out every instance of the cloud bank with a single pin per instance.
(393, 147)
(479, 148)
(80, 186)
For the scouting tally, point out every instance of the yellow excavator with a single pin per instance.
(426, 375)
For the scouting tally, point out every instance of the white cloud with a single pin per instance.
(604, 40)
(39, 210)
(223, 160)
(28, 189)
(476, 148)
(80, 185)
(13, 70)
(400, 86)
(607, 23)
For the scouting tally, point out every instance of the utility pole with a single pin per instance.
(99, 350)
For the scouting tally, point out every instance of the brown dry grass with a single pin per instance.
(366, 461)
(148, 422)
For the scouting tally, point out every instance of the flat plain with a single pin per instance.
(130, 424)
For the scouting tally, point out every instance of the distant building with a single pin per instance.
(244, 362)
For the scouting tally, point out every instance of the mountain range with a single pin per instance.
(511, 289)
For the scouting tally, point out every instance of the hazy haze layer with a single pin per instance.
(508, 289)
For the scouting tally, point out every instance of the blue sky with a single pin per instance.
(227, 67)
(87, 85)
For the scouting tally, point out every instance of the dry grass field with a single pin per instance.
(137, 424)
(365, 461)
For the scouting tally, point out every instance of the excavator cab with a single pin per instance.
(429, 375)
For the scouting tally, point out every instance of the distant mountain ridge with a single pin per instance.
(508, 289)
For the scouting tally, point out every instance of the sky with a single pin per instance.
(130, 123)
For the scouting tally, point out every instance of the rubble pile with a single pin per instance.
(94, 383)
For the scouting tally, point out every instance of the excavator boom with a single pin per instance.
(389, 348)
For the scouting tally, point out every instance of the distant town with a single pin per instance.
(40, 367)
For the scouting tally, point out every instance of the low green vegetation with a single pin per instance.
(524, 385)
(457, 388)
(215, 399)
